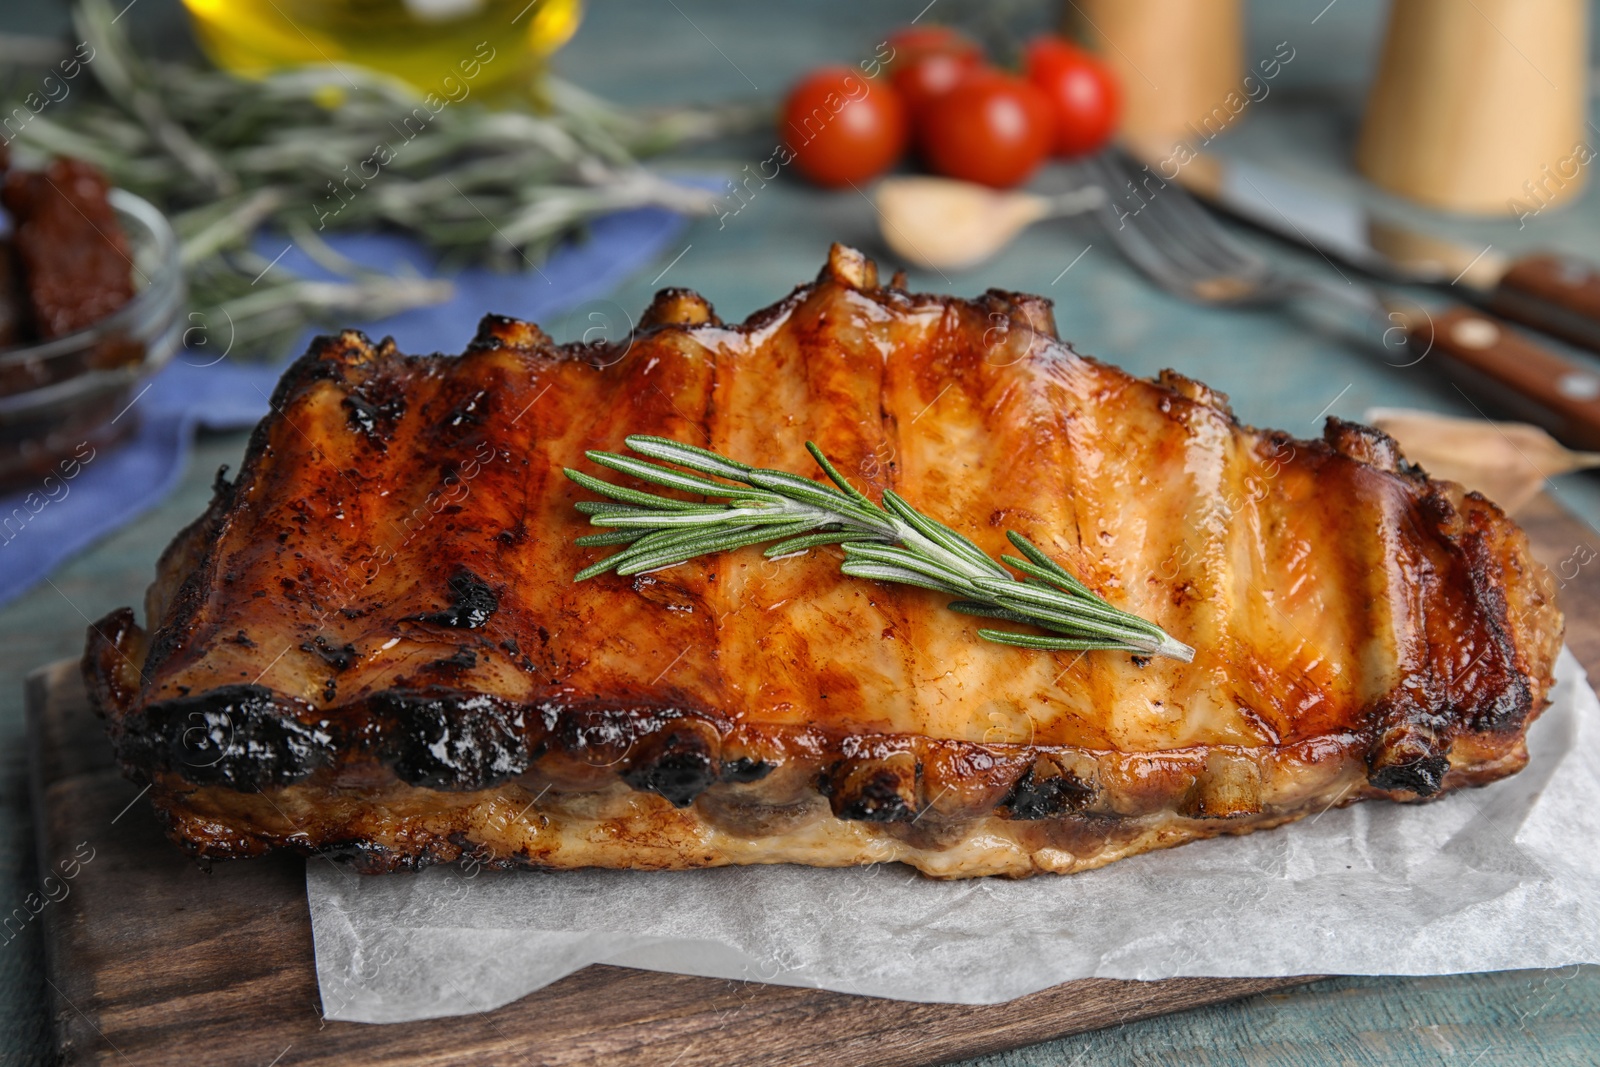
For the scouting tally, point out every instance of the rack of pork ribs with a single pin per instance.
(371, 646)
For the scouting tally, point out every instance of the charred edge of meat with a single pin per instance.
(1511, 702)
(435, 737)
(443, 740)
(679, 763)
(1025, 311)
(1424, 776)
(339, 657)
(108, 673)
(1364, 444)
(1044, 797)
(875, 790)
(1507, 710)
(242, 736)
(1409, 756)
(609, 735)
(250, 737)
(503, 331)
(180, 571)
(370, 857)
(374, 407)
(325, 359)
(678, 307)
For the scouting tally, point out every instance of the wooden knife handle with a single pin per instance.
(1557, 294)
(1514, 373)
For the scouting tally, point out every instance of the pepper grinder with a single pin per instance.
(1479, 107)
(1178, 61)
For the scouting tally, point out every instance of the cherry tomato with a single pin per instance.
(914, 42)
(932, 74)
(991, 128)
(843, 126)
(1084, 95)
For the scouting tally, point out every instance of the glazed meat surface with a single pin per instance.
(371, 644)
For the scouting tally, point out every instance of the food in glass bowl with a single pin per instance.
(90, 294)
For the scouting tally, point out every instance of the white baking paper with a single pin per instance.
(1497, 878)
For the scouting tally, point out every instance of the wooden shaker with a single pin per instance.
(1479, 106)
(1178, 61)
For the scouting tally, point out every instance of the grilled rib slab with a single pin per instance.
(370, 645)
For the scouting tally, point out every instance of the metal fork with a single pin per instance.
(1182, 247)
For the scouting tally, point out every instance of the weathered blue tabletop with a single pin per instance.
(1280, 372)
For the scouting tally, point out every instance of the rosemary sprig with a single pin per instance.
(888, 542)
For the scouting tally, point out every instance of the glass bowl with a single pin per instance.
(59, 395)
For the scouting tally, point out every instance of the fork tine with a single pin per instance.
(1179, 245)
(1190, 224)
(1161, 216)
(1142, 222)
(1132, 241)
(1186, 221)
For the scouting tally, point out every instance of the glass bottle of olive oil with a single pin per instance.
(421, 41)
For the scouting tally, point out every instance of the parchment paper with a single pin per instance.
(1497, 878)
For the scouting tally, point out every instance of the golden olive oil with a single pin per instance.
(421, 41)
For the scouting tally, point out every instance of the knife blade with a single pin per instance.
(1552, 292)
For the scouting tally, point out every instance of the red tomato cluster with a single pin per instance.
(936, 91)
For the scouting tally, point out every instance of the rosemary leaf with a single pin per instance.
(614, 537)
(1006, 589)
(654, 542)
(1072, 618)
(809, 492)
(738, 537)
(939, 534)
(631, 496)
(882, 572)
(1042, 576)
(707, 516)
(903, 559)
(1039, 559)
(838, 479)
(797, 545)
(988, 611)
(696, 459)
(1057, 644)
(659, 475)
(607, 507)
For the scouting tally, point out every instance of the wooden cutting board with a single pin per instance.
(152, 960)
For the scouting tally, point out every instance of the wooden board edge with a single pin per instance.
(38, 688)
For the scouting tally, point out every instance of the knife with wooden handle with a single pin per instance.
(1554, 293)
(1551, 292)
(1514, 372)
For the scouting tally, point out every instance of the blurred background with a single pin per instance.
(407, 166)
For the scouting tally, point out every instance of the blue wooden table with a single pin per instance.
(1280, 371)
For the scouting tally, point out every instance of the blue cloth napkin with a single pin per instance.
(43, 526)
